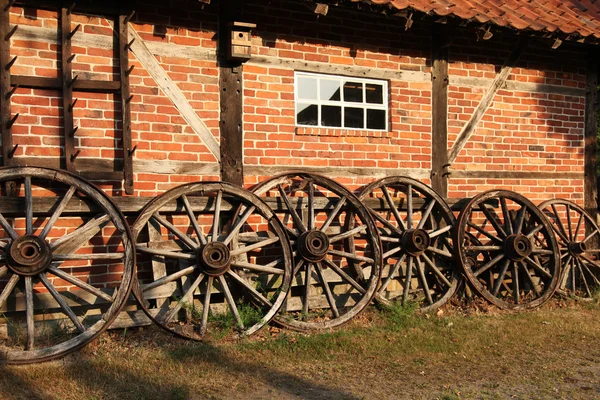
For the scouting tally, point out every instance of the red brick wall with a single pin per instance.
(523, 131)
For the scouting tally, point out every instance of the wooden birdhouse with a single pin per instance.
(240, 46)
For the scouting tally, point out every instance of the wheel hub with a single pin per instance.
(313, 245)
(214, 258)
(415, 241)
(29, 255)
(577, 248)
(517, 247)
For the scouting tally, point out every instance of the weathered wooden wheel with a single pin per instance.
(64, 275)
(578, 238)
(415, 225)
(332, 281)
(524, 268)
(213, 259)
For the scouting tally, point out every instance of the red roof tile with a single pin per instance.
(568, 16)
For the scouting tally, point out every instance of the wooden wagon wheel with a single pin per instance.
(330, 284)
(578, 238)
(70, 272)
(212, 259)
(415, 225)
(525, 264)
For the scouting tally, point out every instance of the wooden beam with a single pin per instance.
(80, 85)
(487, 99)
(439, 112)
(67, 89)
(230, 100)
(128, 149)
(5, 111)
(170, 89)
(590, 188)
(516, 175)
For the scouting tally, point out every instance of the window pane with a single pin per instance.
(375, 119)
(353, 92)
(353, 117)
(307, 114)
(307, 88)
(331, 116)
(330, 90)
(374, 93)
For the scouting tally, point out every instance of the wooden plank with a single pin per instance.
(516, 175)
(439, 112)
(67, 89)
(128, 148)
(590, 189)
(170, 89)
(80, 85)
(5, 109)
(231, 123)
(485, 102)
(374, 173)
(159, 268)
(518, 86)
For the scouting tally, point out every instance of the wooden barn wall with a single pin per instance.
(530, 139)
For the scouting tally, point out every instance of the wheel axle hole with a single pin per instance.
(316, 243)
(522, 246)
(28, 251)
(216, 256)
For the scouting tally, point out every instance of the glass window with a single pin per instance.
(336, 101)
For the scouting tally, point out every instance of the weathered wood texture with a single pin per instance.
(5, 113)
(439, 112)
(590, 188)
(128, 149)
(67, 88)
(486, 101)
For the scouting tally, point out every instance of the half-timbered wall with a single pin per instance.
(530, 139)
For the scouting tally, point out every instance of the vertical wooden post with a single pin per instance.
(439, 111)
(231, 101)
(591, 131)
(5, 113)
(67, 86)
(128, 149)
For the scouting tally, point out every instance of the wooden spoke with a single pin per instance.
(350, 256)
(408, 281)
(193, 220)
(392, 272)
(311, 205)
(534, 231)
(519, 220)
(507, 221)
(500, 278)
(484, 232)
(573, 276)
(10, 285)
(205, 310)
(436, 270)
(559, 222)
(327, 290)
(489, 265)
(421, 271)
(515, 283)
(538, 267)
(238, 224)
(530, 279)
(440, 231)
(93, 256)
(3, 271)
(426, 214)
(187, 298)
(246, 249)
(299, 265)
(74, 240)
(579, 223)
(250, 289)
(493, 220)
(583, 279)
(386, 223)
(8, 228)
(566, 272)
(409, 207)
(175, 231)
(542, 251)
(81, 284)
(57, 212)
(28, 208)
(347, 234)
(393, 208)
(217, 217)
(305, 298)
(569, 226)
(341, 202)
(258, 268)
(166, 253)
(62, 303)
(391, 252)
(29, 310)
(297, 220)
(591, 235)
(441, 252)
(590, 273)
(169, 278)
(230, 301)
(344, 275)
(480, 249)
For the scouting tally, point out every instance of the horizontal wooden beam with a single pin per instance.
(518, 86)
(375, 173)
(516, 175)
(81, 85)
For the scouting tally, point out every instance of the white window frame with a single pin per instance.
(341, 103)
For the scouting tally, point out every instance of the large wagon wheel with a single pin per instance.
(64, 276)
(415, 225)
(331, 282)
(525, 264)
(578, 239)
(212, 259)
